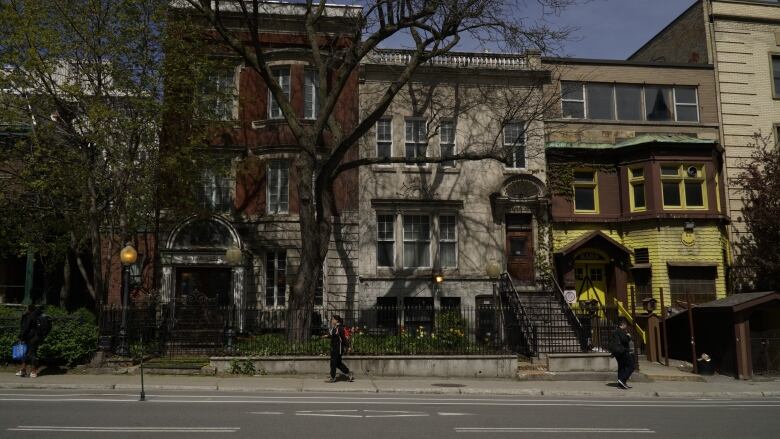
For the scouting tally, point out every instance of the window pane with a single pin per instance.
(448, 254)
(629, 102)
(384, 254)
(517, 247)
(685, 95)
(573, 110)
(311, 89)
(687, 113)
(416, 241)
(584, 198)
(584, 177)
(571, 90)
(637, 172)
(776, 73)
(670, 170)
(639, 196)
(693, 194)
(671, 194)
(600, 102)
(282, 76)
(658, 103)
(416, 139)
(447, 227)
(514, 144)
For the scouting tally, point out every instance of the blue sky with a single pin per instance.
(616, 28)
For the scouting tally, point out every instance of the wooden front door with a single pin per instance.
(520, 255)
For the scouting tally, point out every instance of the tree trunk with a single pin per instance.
(65, 289)
(315, 236)
(94, 231)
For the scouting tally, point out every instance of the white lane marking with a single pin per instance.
(398, 416)
(529, 430)
(454, 414)
(266, 413)
(110, 429)
(334, 415)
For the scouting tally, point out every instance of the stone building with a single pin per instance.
(636, 186)
(741, 38)
(447, 219)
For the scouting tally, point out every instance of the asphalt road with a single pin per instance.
(65, 415)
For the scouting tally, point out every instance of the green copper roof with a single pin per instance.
(634, 141)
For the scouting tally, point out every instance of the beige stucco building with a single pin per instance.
(741, 38)
(451, 218)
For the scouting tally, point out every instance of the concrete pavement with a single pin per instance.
(716, 387)
(66, 414)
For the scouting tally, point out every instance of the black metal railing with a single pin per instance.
(570, 315)
(175, 330)
(521, 332)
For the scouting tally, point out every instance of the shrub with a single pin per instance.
(73, 337)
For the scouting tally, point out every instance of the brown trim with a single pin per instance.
(691, 264)
(577, 243)
(626, 63)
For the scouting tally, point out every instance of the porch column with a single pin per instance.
(166, 285)
(238, 296)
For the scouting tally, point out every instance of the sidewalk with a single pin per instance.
(717, 387)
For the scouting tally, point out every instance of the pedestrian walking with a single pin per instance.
(620, 348)
(339, 344)
(35, 326)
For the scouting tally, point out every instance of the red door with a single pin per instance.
(520, 255)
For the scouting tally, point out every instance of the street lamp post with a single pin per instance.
(127, 256)
(233, 257)
(493, 271)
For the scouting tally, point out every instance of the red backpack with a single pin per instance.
(347, 338)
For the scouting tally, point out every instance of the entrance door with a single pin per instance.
(520, 255)
(591, 281)
(203, 284)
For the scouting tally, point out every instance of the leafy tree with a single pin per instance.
(87, 80)
(327, 148)
(758, 253)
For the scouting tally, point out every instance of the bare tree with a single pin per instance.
(430, 29)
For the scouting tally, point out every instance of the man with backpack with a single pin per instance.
(620, 348)
(339, 345)
(35, 326)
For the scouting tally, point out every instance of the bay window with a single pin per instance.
(683, 186)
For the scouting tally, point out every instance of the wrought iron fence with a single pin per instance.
(205, 329)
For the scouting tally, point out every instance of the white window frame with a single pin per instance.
(274, 110)
(418, 142)
(279, 166)
(392, 239)
(311, 92)
(275, 254)
(453, 240)
(514, 145)
(453, 143)
(415, 241)
(579, 101)
(231, 84)
(389, 142)
(695, 104)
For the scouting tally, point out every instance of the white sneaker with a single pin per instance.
(21, 373)
(622, 385)
(33, 375)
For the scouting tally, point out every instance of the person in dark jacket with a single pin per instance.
(338, 347)
(620, 348)
(29, 335)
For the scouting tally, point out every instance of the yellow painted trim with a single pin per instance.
(594, 185)
(633, 181)
(680, 179)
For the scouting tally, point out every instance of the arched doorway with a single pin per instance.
(195, 270)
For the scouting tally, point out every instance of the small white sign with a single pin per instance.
(570, 296)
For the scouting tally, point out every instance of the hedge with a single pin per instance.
(73, 338)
